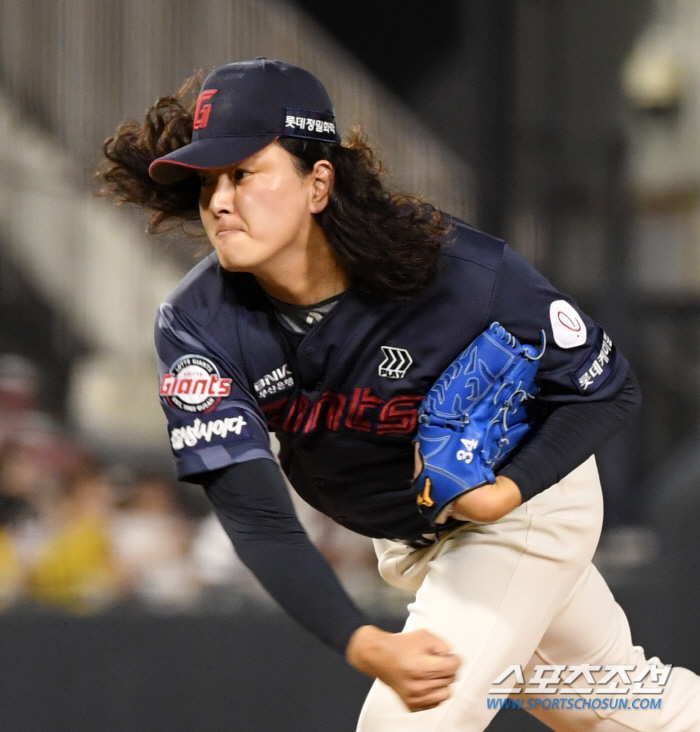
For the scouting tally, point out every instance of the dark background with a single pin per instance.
(526, 92)
(255, 671)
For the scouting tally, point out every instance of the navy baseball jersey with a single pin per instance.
(343, 398)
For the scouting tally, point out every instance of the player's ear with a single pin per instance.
(322, 177)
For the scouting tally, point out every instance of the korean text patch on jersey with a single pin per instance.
(277, 381)
(193, 384)
(595, 372)
(191, 435)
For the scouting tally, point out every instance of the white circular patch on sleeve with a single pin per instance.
(567, 325)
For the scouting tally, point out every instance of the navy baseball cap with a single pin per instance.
(245, 106)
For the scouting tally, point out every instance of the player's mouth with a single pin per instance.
(224, 230)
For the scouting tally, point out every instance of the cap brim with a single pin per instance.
(210, 152)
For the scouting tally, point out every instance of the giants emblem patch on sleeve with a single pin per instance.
(193, 384)
(594, 373)
(568, 327)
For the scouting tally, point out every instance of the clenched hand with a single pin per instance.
(418, 666)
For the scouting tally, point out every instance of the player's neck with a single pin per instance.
(307, 277)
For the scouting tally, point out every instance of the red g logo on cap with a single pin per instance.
(202, 112)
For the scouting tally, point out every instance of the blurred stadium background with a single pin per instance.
(570, 128)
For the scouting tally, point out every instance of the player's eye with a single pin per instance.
(239, 174)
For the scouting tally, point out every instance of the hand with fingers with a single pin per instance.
(418, 666)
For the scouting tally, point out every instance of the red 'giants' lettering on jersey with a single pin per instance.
(361, 402)
(399, 415)
(273, 413)
(336, 405)
(362, 412)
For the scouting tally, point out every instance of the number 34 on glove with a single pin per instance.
(473, 417)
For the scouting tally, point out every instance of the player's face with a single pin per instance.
(258, 214)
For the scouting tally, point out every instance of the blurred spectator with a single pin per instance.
(22, 478)
(152, 539)
(19, 385)
(75, 568)
(28, 486)
(10, 570)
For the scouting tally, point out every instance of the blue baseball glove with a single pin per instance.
(473, 417)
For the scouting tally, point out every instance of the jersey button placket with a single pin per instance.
(311, 377)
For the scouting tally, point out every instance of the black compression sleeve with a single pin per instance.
(571, 434)
(253, 504)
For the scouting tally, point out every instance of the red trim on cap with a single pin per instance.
(160, 161)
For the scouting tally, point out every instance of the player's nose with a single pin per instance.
(223, 199)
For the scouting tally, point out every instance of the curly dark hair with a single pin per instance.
(386, 242)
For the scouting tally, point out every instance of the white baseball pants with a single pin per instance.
(522, 591)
